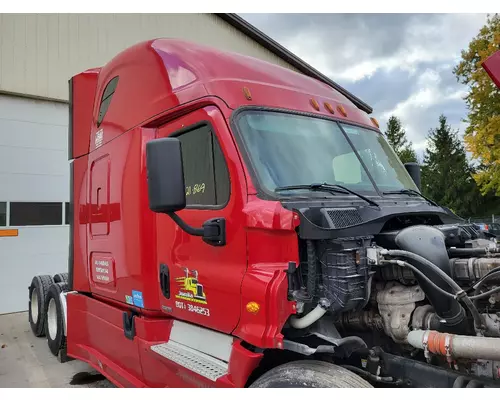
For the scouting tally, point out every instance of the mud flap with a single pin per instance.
(129, 324)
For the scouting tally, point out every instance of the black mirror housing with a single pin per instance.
(413, 169)
(165, 175)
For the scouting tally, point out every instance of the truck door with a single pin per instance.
(200, 283)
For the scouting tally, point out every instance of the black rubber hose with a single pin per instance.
(421, 274)
(427, 263)
(485, 294)
(460, 293)
(477, 287)
(466, 252)
(369, 376)
(472, 252)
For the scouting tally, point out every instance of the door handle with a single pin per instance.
(165, 280)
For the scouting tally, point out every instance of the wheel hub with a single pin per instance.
(52, 319)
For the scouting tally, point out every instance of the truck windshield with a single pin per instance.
(287, 149)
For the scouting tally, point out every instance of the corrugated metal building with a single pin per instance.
(38, 55)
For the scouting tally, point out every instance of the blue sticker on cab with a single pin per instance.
(137, 297)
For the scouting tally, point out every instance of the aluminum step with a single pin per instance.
(194, 360)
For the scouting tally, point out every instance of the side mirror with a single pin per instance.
(166, 186)
(167, 193)
(413, 169)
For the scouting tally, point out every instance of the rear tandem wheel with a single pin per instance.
(37, 298)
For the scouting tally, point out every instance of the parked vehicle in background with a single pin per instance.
(494, 228)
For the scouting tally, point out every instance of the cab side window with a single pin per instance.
(106, 99)
(205, 171)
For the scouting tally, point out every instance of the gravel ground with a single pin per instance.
(26, 361)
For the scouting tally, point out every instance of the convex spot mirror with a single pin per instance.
(165, 175)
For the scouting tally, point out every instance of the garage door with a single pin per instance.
(34, 194)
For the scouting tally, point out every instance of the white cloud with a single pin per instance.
(422, 43)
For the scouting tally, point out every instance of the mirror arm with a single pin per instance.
(185, 227)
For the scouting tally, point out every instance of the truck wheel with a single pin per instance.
(310, 373)
(61, 277)
(54, 329)
(37, 297)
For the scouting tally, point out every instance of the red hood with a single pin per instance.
(492, 67)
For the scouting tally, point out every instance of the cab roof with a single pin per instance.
(157, 75)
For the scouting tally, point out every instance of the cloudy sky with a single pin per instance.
(400, 64)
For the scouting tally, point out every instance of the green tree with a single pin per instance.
(446, 174)
(396, 136)
(482, 136)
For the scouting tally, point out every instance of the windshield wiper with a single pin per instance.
(410, 192)
(326, 187)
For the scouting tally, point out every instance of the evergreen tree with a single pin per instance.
(446, 174)
(396, 136)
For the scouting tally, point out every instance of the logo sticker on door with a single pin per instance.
(190, 288)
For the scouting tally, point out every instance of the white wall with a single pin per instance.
(39, 53)
(33, 168)
(33, 150)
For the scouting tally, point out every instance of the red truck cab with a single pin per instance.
(236, 223)
(129, 266)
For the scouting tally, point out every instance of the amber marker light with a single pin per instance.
(375, 122)
(342, 110)
(315, 104)
(246, 92)
(253, 307)
(329, 107)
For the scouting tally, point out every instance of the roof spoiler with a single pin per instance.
(492, 67)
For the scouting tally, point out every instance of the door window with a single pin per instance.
(205, 171)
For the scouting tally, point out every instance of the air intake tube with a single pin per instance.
(428, 242)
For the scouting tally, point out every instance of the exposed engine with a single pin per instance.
(423, 292)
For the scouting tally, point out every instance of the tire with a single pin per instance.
(37, 297)
(61, 277)
(54, 328)
(310, 374)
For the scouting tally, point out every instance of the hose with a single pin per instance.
(420, 273)
(459, 292)
(494, 271)
(369, 375)
(479, 251)
(310, 318)
(485, 294)
(456, 346)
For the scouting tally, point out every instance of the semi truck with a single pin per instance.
(235, 223)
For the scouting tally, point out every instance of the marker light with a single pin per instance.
(375, 122)
(253, 307)
(246, 92)
(329, 107)
(342, 110)
(315, 104)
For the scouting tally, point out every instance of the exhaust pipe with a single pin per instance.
(456, 346)
(428, 242)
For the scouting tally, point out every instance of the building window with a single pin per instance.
(67, 214)
(25, 214)
(3, 214)
(205, 171)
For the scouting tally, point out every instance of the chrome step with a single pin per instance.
(194, 360)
